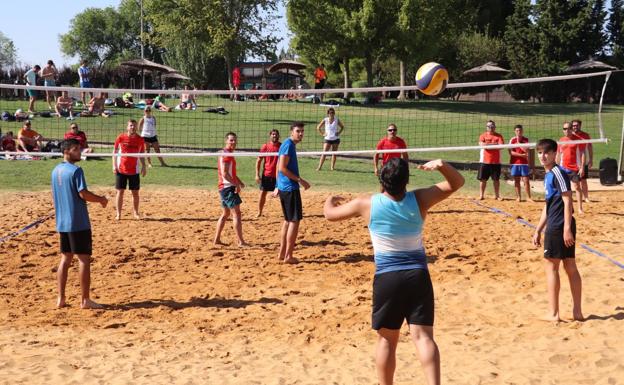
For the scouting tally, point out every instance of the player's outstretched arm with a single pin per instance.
(91, 197)
(427, 197)
(335, 211)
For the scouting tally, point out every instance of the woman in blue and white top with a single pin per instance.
(147, 126)
(330, 128)
(402, 288)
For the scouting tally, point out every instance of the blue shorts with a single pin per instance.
(86, 84)
(49, 83)
(32, 93)
(519, 170)
(229, 197)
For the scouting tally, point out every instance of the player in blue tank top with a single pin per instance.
(69, 190)
(402, 288)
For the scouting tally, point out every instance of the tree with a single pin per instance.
(8, 53)
(104, 36)
(593, 38)
(615, 29)
(227, 29)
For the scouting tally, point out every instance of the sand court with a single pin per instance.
(180, 310)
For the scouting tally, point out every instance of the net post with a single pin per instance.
(604, 87)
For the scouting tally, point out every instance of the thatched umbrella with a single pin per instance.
(590, 65)
(144, 64)
(287, 68)
(487, 69)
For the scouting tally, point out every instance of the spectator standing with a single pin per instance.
(266, 175)
(391, 142)
(490, 163)
(31, 80)
(330, 128)
(589, 156)
(84, 73)
(519, 160)
(49, 73)
(126, 168)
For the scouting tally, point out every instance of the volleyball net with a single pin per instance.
(447, 126)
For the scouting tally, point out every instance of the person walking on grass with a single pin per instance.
(330, 128)
(402, 288)
(126, 168)
(266, 174)
(560, 232)
(288, 181)
(70, 193)
(230, 186)
(147, 126)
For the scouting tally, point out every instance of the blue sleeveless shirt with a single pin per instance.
(396, 233)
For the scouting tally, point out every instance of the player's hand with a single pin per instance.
(241, 184)
(257, 180)
(432, 165)
(114, 170)
(334, 200)
(275, 193)
(568, 238)
(376, 172)
(104, 202)
(143, 171)
(304, 183)
(537, 238)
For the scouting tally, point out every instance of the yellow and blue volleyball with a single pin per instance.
(431, 78)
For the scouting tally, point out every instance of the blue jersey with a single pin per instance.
(71, 210)
(396, 233)
(284, 183)
(556, 182)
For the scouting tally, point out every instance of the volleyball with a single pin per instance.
(431, 78)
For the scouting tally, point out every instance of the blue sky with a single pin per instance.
(35, 27)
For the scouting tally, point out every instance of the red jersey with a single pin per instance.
(270, 162)
(236, 77)
(226, 163)
(79, 136)
(521, 150)
(387, 144)
(490, 156)
(570, 154)
(128, 144)
(8, 144)
(582, 135)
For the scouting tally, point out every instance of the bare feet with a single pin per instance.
(530, 200)
(587, 200)
(88, 304)
(259, 215)
(60, 302)
(117, 217)
(580, 211)
(243, 245)
(318, 169)
(518, 200)
(217, 242)
(136, 215)
(578, 316)
(551, 318)
(149, 165)
(499, 198)
(291, 261)
(481, 198)
(163, 164)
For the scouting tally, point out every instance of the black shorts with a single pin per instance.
(77, 242)
(320, 84)
(585, 172)
(335, 141)
(292, 206)
(554, 247)
(267, 183)
(402, 295)
(151, 139)
(123, 180)
(487, 170)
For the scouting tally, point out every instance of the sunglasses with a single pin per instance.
(392, 130)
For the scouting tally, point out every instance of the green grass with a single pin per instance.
(421, 124)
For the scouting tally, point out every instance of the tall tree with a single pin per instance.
(104, 36)
(8, 53)
(615, 29)
(229, 29)
(593, 37)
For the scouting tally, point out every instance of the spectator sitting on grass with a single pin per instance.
(29, 139)
(64, 106)
(96, 106)
(159, 103)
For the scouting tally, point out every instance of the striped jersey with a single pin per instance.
(396, 233)
(556, 182)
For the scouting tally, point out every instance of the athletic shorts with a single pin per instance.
(520, 170)
(586, 172)
(573, 175)
(85, 84)
(402, 295)
(151, 139)
(32, 93)
(229, 197)
(487, 170)
(335, 141)
(267, 183)
(320, 84)
(77, 242)
(554, 247)
(292, 206)
(49, 83)
(132, 181)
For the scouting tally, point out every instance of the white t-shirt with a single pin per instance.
(31, 77)
(331, 129)
(149, 127)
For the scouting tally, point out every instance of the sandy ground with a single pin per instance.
(184, 312)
